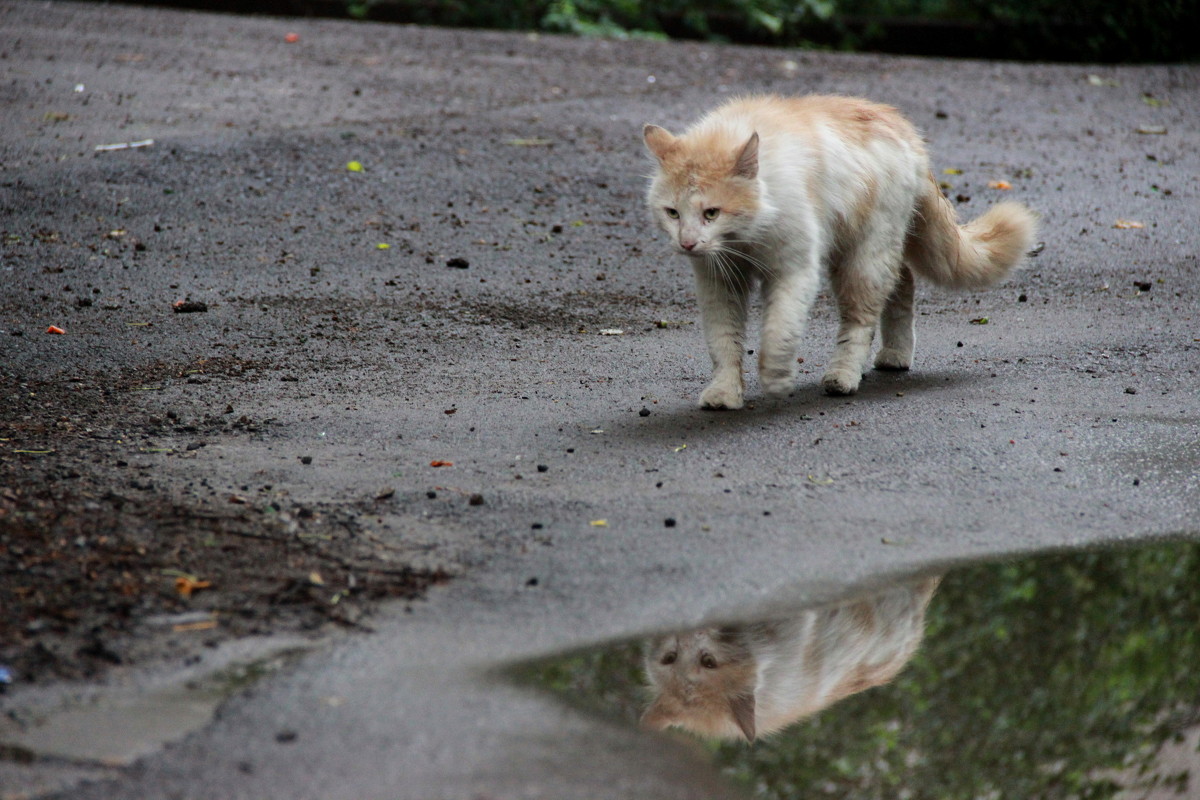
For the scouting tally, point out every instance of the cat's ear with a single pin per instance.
(746, 165)
(659, 141)
(742, 707)
(658, 717)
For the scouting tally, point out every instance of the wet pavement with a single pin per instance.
(504, 174)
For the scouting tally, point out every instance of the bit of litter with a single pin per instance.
(897, 542)
(1152, 130)
(597, 431)
(611, 332)
(315, 578)
(529, 142)
(1126, 224)
(291, 38)
(104, 148)
(1002, 185)
(383, 246)
(680, 448)
(819, 481)
(203, 625)
(6, 677)
(440, 463)
(599, 523)
(952, 171)
(354, 166)
(1096, 80)
(188, 306)
(54, 329)
(980, 321)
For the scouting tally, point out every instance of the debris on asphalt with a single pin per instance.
(1127, 224)
(599, 523)
(441, 463)
(813, 479)
(185, 585)
(104, 148)
(980, 321)
(189, 306)
(1001, 185)
(54, 329)
(458, 263)
(291, 38)
(611, 332)
(645, 412)
(354, 166)
(475, 500)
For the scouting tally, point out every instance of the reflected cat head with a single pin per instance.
(750, 680)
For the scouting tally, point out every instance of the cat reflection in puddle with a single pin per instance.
(751, 680)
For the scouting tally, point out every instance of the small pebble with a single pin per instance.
(1130, 390)
(669, 522)
(645, 412)
(476, 499)
(305, 459)
(432, 495)
(542, 468)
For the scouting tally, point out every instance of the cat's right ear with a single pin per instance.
(659, 141)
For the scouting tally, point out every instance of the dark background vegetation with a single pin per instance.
(1119, 31)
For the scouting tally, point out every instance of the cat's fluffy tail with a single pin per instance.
(968, 256)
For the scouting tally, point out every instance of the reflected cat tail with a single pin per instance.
(968, 256)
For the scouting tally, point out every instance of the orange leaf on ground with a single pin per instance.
(54, 329)
(185, 585)
(440, 463)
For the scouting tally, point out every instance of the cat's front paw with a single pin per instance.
(841, 381)
(777, 385)
(719, 396)
(893, 359)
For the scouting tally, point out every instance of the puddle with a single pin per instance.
(117, 725)
(1058, 676)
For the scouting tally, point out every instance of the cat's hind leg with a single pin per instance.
(863, 279)
(896, 325)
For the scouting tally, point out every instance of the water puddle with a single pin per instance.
(1058, 676)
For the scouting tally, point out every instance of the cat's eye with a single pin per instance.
(672, 213)
(668, 659)
(711, 213)
(707, 661)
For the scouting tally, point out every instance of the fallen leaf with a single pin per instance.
(1152, 130)
(54, 329)
(1002, 185)
(952, 171)
(681, 447)
(186, 584)
(599, 523)
(1126, 224)
(440, 463)
(383, 246)
(534, 142)
(354, 166)
(819, 481)
(315, 578)
(1096, 80)
(980, 321)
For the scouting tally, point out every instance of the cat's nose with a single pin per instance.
(687, 245)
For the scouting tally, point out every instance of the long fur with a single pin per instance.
(769, 191)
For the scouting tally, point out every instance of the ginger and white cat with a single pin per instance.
(745, 681)
(769, 190)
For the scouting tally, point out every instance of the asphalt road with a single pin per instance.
(1070, 418)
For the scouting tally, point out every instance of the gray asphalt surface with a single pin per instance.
(1070, 418)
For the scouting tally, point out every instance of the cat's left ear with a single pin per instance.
(746, 165)
(742, 707)
(659, 141)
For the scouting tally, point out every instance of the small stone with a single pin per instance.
(476, 499)
(543, 468)
(1130, 390)
(458, 263)
(1023, 298)
(286, 736)
(669, 522)
(531, 582)
(305, 460)
(645, 412)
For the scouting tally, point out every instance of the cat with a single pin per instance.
(746, 681)
(768, 190)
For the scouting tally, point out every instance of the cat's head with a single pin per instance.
(705, 191)
(702, 681)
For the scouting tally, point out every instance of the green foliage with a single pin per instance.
(1038, 679)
